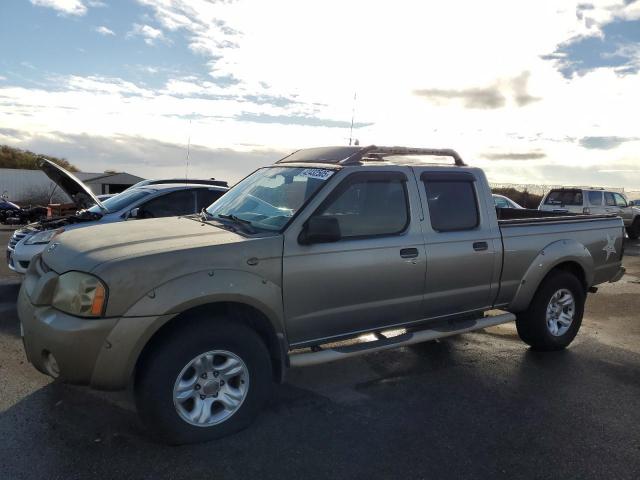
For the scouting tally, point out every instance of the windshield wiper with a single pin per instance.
(238, 220)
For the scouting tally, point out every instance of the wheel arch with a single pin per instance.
(565, 255)
(236, 311)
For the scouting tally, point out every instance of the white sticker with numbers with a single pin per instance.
(319, 173)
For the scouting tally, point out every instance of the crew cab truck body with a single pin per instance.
(202, 313)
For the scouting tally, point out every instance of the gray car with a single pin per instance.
(202, 313)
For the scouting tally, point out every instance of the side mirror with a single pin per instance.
(135, 213)
(632, 203)
(320, 230)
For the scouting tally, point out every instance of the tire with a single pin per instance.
(158, 374)
(633, 231)
(534, 326)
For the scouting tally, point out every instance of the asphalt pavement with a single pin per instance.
(480, 405)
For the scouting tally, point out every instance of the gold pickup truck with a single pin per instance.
(292, 267)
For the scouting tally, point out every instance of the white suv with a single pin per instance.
(593, 201)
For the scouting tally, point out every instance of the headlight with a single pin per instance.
(43, 237)
(80, 294)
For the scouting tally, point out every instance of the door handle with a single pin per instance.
(480, 246)
(409, 252)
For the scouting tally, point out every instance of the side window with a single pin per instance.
(453, 205)
(595, 198)
(206, 197)
(609, 200)
(181, 202)
(501, 202)
(369, 204)
(620, 201)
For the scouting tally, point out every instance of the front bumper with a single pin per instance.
(100, 352)
(74, 342)
(22, 255)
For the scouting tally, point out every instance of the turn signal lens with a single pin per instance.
(97, 306)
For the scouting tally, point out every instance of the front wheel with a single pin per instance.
(206, 381)
(555, 314)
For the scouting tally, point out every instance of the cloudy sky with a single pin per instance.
(534, 91)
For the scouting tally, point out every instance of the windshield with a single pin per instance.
(121, 200)
(269, 197)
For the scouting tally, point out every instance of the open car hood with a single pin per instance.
(80, 194)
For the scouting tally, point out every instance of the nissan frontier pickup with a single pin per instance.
(329, 253)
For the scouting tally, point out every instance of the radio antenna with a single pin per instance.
(353, 115)
(186, 170)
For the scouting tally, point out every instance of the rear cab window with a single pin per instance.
(452, 201)
(564, 197)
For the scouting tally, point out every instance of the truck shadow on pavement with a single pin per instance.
(459, 408)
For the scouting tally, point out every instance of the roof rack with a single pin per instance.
(373, 153)
(357, 155)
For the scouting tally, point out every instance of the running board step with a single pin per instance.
(319, 355)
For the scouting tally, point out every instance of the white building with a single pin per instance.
(27, 185)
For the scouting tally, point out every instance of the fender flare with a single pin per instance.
(117, 359)
(554, 254)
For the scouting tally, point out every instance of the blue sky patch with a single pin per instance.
(618, 48)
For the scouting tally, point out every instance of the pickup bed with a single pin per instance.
(292, 267)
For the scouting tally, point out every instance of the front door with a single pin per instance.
(373, 277)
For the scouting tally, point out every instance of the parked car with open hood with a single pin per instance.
(201, 313)
(151, 201)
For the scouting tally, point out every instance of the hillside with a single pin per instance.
(15, 158)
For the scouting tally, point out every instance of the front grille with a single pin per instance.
(24, 263)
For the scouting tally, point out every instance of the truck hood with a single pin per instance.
(135, 257)
(85, 249)
(79, 193)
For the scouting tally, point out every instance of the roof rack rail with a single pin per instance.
(353, 155)
(374, 153)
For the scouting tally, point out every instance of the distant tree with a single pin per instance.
(111, 171)
(11, 157)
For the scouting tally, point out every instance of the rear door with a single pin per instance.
(206, 196)
(374, 276)
(596, 201)
(172, 204)
(462, 241)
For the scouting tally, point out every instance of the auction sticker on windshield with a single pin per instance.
(319, 173)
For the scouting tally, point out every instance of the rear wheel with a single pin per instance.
(555, 314)
(207, 381)
(633, 231)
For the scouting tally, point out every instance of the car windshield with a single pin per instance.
(121, 200)
(269, 197)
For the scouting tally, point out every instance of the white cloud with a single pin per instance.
(102, 30)
(67, 7)
(150, 34)
(296, 66)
